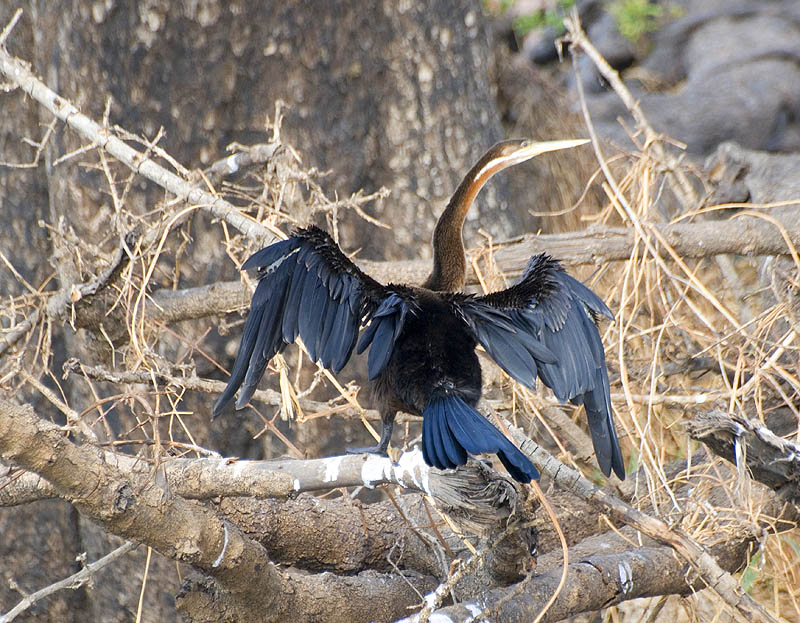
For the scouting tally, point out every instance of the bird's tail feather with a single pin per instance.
(601, 427)
(451, 429)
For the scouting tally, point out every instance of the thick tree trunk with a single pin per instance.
(380, 95)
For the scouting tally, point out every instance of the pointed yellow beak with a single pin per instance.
(516, 151)
(530, 149)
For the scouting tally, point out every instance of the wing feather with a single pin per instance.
(549, 316)
(308, 288)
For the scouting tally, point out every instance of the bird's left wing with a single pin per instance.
(544, 326)
(308, 287)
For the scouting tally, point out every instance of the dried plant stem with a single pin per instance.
(578, 38)
(75, 581)
(716, 578)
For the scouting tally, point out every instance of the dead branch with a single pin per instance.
(771, 460)
(19, 74)
(210, 478)
(741, 236)
(716, 578)
(474, 493)
(59, 302)
(135, 506)
(248, 157)
(51, 454)
(19, 331)
(578, 38)
(615, 571)
(613, 578)
(75, 581)
(22, 487)
(194, 383)
(368, 596)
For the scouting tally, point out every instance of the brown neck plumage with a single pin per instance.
(449, 265)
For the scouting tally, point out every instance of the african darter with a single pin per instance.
(422, 340)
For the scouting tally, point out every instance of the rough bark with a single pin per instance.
(381, 97)
(136, 507)
(643, 572)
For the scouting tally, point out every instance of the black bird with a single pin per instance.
(422, 340)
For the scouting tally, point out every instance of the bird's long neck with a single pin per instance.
(449, 264)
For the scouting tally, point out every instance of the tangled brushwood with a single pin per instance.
(109, 378)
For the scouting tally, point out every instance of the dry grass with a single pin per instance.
(669, 312)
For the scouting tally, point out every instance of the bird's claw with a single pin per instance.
(368, 450)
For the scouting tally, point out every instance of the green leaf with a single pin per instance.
(636, 17)
(554, 18)
(750, 575)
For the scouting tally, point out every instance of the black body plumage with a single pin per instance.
(422, 343)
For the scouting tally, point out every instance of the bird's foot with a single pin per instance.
(379, 450)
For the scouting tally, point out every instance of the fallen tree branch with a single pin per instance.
(316, 597)
(249, 586)
(771, 460)
(52, 453)
(474, 492)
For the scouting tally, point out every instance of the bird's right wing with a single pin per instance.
(544, 326)
(308, 287)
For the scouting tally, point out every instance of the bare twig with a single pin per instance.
(9, 27)
(75, 581)
(250, 156)
(716, 578)
(578, 38)
(19, 331)
(192, 194)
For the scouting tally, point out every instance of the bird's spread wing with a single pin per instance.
(308, 287)
(385, 325)
(544, 326)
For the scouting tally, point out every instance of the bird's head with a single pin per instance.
(514, 151)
